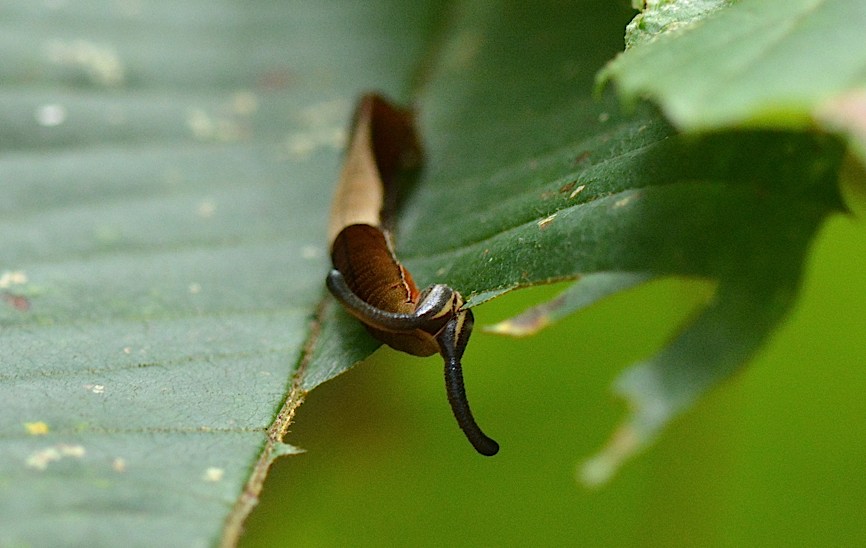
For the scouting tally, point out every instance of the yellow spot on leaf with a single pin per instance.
(36, 428)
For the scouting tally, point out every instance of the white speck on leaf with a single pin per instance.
(245, 103)
(42, 458)
(206, 209)
(302, 144)
(118, 464)
(311, 252)
(100, 62)
(576, 191)
(50, 115)
(12, 277)
(622, 202)
(322, 126)
(214, 474)
(205, 127)
(201, 125)
(544, 223)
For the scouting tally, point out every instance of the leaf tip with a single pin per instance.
(281, 449)
(519, 326)
(649, 412)
(845, 113)
(599, 469)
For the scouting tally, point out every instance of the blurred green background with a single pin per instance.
(772, 458)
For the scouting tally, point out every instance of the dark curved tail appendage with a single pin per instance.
(452, 343)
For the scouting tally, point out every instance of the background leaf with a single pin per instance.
(590, 289)
(757, 63)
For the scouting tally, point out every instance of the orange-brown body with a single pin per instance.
(363, 256)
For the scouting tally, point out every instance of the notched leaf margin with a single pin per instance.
(274, 446)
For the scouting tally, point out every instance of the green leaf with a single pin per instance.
(533, 182)
(663, 16)
(165, 172)
(757, 63)
(754, 64)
